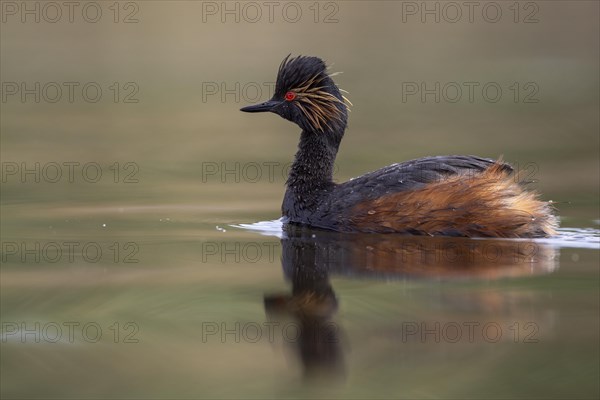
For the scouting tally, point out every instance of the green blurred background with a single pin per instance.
(176, 58)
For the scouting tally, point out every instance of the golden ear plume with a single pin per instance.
(319, 106)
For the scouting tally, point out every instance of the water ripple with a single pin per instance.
(583, 238)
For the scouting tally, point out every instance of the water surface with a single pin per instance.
(187, 306)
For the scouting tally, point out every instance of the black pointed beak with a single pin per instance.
(262, 107)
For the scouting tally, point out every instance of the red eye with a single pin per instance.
(289, 96)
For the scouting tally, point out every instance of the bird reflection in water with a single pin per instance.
(310, 256)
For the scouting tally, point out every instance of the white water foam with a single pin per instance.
(582, 238)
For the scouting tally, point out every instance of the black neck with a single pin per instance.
(313, 165)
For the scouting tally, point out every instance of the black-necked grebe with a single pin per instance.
(445, 195)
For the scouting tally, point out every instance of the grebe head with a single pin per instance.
(306, 95)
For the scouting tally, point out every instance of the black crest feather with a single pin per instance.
(294, 72)
(317, 96)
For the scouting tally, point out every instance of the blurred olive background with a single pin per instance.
(176, 53)
(176, 59)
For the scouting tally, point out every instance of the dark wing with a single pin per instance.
(411, 175)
